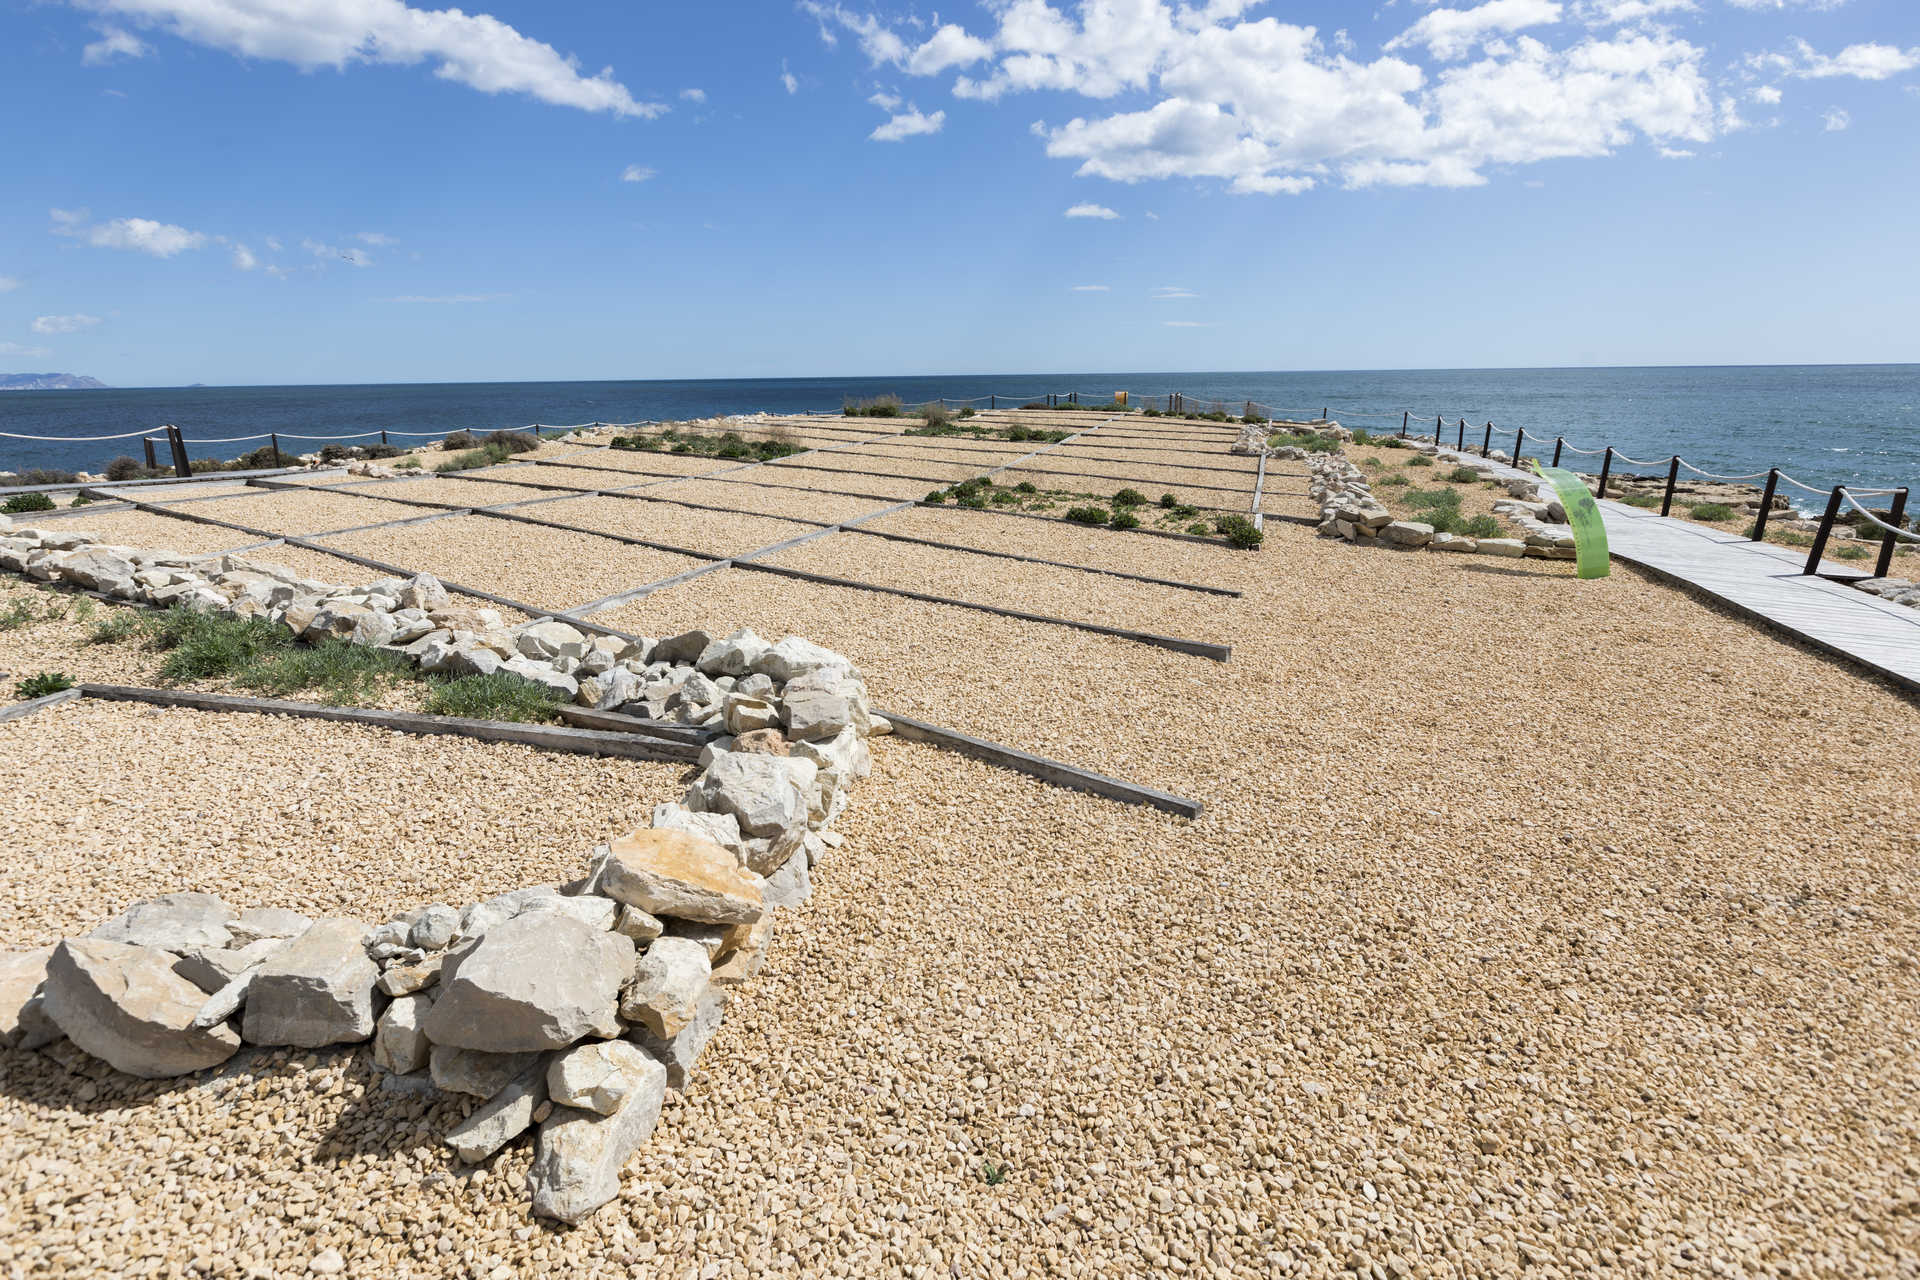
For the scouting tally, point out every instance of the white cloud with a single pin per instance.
(1778, 5)
(1859, 61)
(1090, 288)
(879, 43)
(356, 257)
(451, 299)
(476, 50)
(1453, 33)
(1092, 211)
(140, 235)
(788, 79)
(243, 258)
(948, 47)
(1186, 324)
(1172, 293)
(1835, 120)
(30, 353)
(638, 173)
(1765, 94)
(378, 239)
(693, 95)
(64, 324)
(886, 101)
(8, 284)
(1602, 13)
(907, 124)
(273, 243)
(1676, 153)
(113, 43)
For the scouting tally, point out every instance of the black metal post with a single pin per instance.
(153, 463)
(1559, 443)
(1606, 467)
(1486, 443)
(383, 437)
(181, 467)
(1819, 548)
(1323, 416)
(1519, 442)
(1438, 424)
(1460, 442)
(993, 402)
(1895, 517)
(1766, 505)
(275, 437)
(1405, 414)
(1673, 476)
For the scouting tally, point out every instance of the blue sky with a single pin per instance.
(263, 191)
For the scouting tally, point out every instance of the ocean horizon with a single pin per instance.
(1822, 424)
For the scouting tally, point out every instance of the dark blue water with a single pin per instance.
(1857, 424)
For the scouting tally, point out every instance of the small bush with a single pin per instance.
(201, 646)
(1124, 519)
(511, 441)
(490, 456)
(1641, 499)
(18, 614)
(1853, 552)
(1169, 501)
(1481, 527)
(39, 686)
(345, 673)
(125, 468)
(375, 450)
(81, 500)
(638, 444)
(937, 496)
(1005, 498)
(1186, 511)
(1088, 515)
(500, 696)
(1419, 460)
(1432, 499)
(27, 502)
(1361, 437)
(407, 464)
(967, 412)
(1129, 498)
(1253, 418)
(1393, 479)
(1026, 486)
(1711, 511)
(1389, 442)
(1239, 532)
(877, 407)
(457, 441)
(118, 625)
(1463, 475)
(972, 500)
(42, 475)
(935, 413)
(1200, 528)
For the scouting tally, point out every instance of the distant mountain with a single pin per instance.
(49, 382)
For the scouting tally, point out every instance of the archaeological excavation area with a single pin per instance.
(911, 877)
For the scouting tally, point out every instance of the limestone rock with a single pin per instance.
(435, 927)
(125, 1004)
(819, 704)
(317, 990)
(638, 925)
(504, 1116)
(790, 885)
(683, 648)
(538, 981)
(589, 909)
(748, 715)
(550, 638)
(399, 1045)
(749, 948)
(732, 656)
(767, 795)
(405, 979)
(211, 968)
(597, 1077)
(424, 592)
(679, 1053)
(474, 1073)
(172, 922)
(257, 923)
(576, 1168)
(666, 991)
(762, 742)
(674, 873)
(1506, 548)
(794, 657)
(1407, 533)
(721, 828)
(21, 976)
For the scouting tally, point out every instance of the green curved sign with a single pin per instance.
(1583, 513)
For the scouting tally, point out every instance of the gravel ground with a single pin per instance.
(1504, 956)
(660, 463)
(60, 643)
(138, 529)
(550, 477)
(1115, 602)
(305, 513)
(931, 473)
(806, 478)
(467, 493)
(709, 531)
(1101, 487)
(1070, 543)
(546, 568)
(1154, 479)
(768, 500)
(1199, 464)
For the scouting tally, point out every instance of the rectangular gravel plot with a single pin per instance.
(1047, 689)
(544, 568)
(678, 464)
(793, 477)
(768, 500)
(316, 565)
(151, 533)
(467, 493)
(284, 511)
(553, 477)
(1110, 454)
(1075, 544)
(171, 492)
(710, 531)
(1157, 479)
(1007, 584)
(1102, 486)
(930, 472)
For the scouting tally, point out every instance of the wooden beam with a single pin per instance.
(1198, 648)
(548, 737)
(21, 710)
(693, 735)
(1049, 771)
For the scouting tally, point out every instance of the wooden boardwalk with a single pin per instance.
(1766, 583)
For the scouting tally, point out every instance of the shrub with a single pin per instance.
(1481, 527)
(1711, 511)
(202, 646)
(1168, 501)
(638, 444)
(500, 696)
(407, 464)
(81, 500)
(43, 475)
(1026, 486)
(46, 682)
(1239, 532)
(1419, 460)
(375, 450)
(1186, 511)
(1087, 515)
(490, 456)
(935, 414)
(877, 407)
(1361, 437)
(1004, 498)
(1253, 418)
(1372, 464)
(1389, 442)
(1640, 499)
(27, 502)
(125, 468)
(967, 412)
(510, 441)
(118, 625)
(1854, 552)
(732, 449)
(18, 614)
(1393, 479)
(458, 440)
(1129, 498)
(1432, 500)
(1463, 475)
(344, 672)
(973, 500)
(1200, 528)
(1124, 519)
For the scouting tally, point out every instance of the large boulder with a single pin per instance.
(794, 657)
(667, 986)
(550, 638)
(820, 704)
(538, 981)
(172, 922)
(316, 990)
(676, 873)
(125, 1004)
(732, 656)
(683, 648)
(767, 795)
(721, 828)
(258, 923)
(576, 1168)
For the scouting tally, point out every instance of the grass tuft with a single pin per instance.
(46, 682)
(500, 696)
(20, 502)
(1240, 532)
(1711, 511)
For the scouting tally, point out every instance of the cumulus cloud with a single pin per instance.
(1099, 211)
(1453, 33)
(1858, 61)
(243, 258)
(787, 79)
(140, 235)
(693, 95)
(476, 50)
(29, 353)
(907, 124)
(876, 40)
(1835, 120)
(64, 324)
(113, 43)
(638, 173)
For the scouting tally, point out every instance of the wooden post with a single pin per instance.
(993, 402)
(1606, 466)
(1895, 517)
(1323, 415)
(1819, 548)
(1437, 425)
(1673, 477)
(275, 437)
(383, 439)
(181, 467)
(1486, 442)
(1766, 505)
(153, 463)
(1519, 442)
(1405, 414)
(1460, 442)
(1559, 443)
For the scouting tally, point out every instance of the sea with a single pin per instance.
(1821, 424)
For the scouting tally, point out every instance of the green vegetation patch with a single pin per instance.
(42, 684)
(496, 697)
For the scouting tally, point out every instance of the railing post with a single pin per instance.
(1766, 505)
(1895, 517)
(1519, 442)
(1460, 442)
(1606, 466)
(993, 402)
(1439, 424)
(1405, 415)
(1673, 475)
(153, 464)
(1324, 417)
(383, 437)
(275, 437)
(1486, 442)
(1559, 443)
(1819, 548)
(181, 467)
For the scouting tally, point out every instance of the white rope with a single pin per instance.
(1872, 518)
(1712, 476)
(14, 435)
(1796, 484)
(1640, 462)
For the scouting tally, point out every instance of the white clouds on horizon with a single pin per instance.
(1099, 211)
(50, 325)
(30, 353)
(476, 50)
